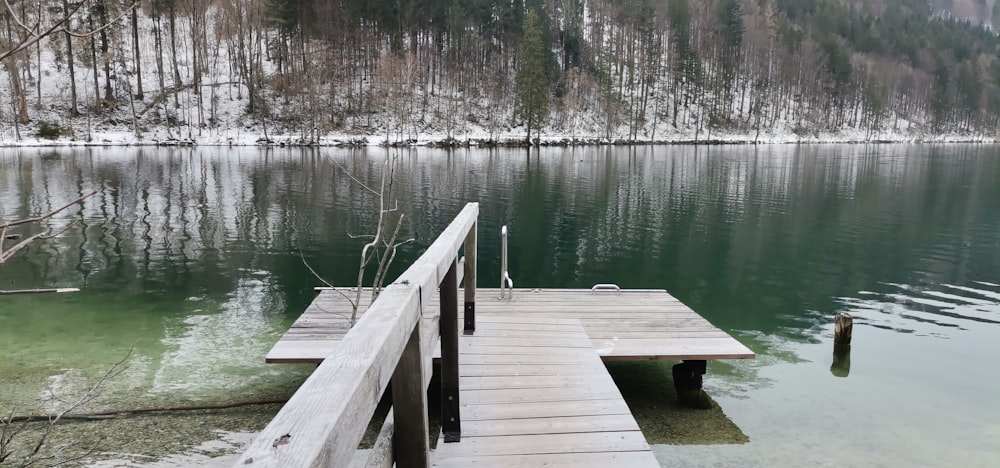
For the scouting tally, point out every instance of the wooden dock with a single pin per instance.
(524, 384)
(621, 325)
(534, 393)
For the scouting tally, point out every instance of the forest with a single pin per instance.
(614, 70)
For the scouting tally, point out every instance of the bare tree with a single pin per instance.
(380, 250)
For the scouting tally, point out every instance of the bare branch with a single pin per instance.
(4, 256)
(32, 38)
(8, 433)
(106, 25)
(59, 26)
(17, 21)
(93, 392)
(53, 458)
(59, 232)
(386, 260)
(365, 255)
(7, 292)
(327, 283)
(337, 314)
(7, 254)
(355, 179)
(49, 214)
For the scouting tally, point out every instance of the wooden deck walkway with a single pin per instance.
(534, 393)
(625, 325)
(523, 386)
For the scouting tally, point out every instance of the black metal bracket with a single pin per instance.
(451, 424)
(470, 318)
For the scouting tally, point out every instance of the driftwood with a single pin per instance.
(118, 414)
(7, 292)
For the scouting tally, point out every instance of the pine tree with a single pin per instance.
(941, 98)
(531, 101)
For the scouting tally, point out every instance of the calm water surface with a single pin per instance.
(194, 259)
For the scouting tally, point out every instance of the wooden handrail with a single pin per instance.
(323, 422)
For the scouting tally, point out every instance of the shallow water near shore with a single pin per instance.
(192, 258)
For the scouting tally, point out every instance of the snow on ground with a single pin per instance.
(223, 102)
(159, 137)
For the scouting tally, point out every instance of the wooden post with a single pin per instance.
(687, 382)
(843, 329)
(451, 421)
(410, 440)
(470, 280)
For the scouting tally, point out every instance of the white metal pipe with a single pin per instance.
(503, 260)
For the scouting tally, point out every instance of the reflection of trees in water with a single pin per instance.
(738, 232)
(745, 232)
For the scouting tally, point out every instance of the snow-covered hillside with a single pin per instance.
(212, 74)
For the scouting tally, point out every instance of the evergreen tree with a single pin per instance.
(531, 101)
(941, 100)
(970, 88)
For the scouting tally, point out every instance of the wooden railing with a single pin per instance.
(324, 421)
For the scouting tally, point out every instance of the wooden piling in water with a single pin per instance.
(843, 329)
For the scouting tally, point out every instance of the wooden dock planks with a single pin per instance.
(544, 403)
(534, 391)
(315, 334)
(626, 325)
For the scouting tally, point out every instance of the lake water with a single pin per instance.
(193, 258)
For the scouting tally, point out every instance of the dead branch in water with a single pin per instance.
(47, 234)
(124, 413)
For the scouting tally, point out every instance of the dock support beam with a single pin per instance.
(410, 444)
(688, 380)
(451, 421)
(470, 280)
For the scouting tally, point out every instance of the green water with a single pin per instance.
(192, 258)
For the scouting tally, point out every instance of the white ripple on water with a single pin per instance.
(980, 292)
(915, 307)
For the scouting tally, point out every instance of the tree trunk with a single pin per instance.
(20, 102)
(38, 82)
(18, 99)
(138, 58)
(109, 96)
(71, 62)
(96, 72)
(173, 52)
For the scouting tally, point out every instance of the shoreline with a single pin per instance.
(287, 141)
